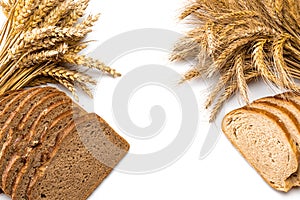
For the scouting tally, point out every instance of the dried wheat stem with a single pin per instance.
(85, 89)
(69, 85)
(58, 13)
(24, 14)
(193, 73)
(279, 63)
(43, 56)
(77, 49)
(240, 76)
(44, 7)
(229, 91)
(222, 59)
(189, 10)
(75, 14)
(71, 75)
(40, 81)
(260, 64)
(90, 63)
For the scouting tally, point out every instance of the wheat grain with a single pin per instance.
(43, 56)
(68, 85)
(44, 7)
(57, 13)
(193, 73)
(90, 63)
(38, 81)
(229, 91)
(85, 89)
(240, 76)
(5, 7)
(24, 14)
(267, 31)
(75, 14)
(71, 75)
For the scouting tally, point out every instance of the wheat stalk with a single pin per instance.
(40, 42)
(242, 37)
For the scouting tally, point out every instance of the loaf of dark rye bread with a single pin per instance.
(43, 134)
(76, 165)
(256, 138)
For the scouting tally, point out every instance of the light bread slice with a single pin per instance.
(291, 109)
(265, 142)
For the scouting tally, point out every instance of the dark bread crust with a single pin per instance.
(280, 124)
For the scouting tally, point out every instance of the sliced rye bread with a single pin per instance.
(34, 155)
(8, 109)
(265, 142)
(6, 97)
(18, 113)
(15, 116)
(72, 172)
(9, 146)
(31, 140)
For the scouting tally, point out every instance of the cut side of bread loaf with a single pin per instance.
(72, 171)
(34, 154)
(18, 137)
(47, 138)
(265, 142)
(20, 158)
(284, 115)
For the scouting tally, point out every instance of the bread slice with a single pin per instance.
(16, 136)
(35, 155)
(72, 172)
(285, 116)
(265, 142)
(33, 139)
(6, 97)
(15, 116)
(283, 112)
(8, 109)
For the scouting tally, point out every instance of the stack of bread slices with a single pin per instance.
(50, 148)
(267, 134)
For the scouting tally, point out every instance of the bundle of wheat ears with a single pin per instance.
(239, 41)
(40, 43)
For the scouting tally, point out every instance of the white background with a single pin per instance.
(224, 174)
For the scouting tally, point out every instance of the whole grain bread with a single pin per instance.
(26, 147)
(18, 136)
(33, 154)
(72, 171)
(41, 133)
